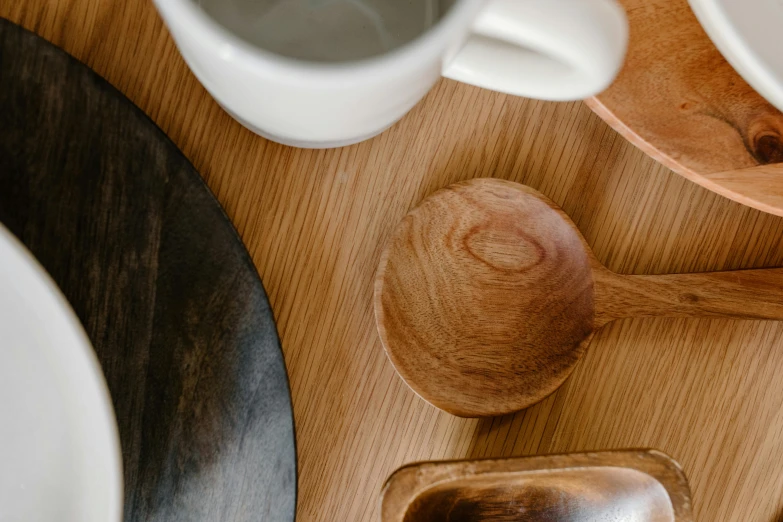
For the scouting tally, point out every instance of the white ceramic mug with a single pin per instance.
(547, 49)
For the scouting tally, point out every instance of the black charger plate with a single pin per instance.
(162, 284)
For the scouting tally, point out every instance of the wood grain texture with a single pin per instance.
(163, 286)
(680, 101)
(639, 485)
(705, 391)
(738, 294)
(487, 295)
(484, 298)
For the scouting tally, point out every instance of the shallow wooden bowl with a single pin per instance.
(628, 486)
(681, 102)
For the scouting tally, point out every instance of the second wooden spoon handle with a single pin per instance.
(742, 294)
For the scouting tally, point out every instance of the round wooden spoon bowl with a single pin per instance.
(456, 288)
(487, 295)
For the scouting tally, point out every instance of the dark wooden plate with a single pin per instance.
(162, 284)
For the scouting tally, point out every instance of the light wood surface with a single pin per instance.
(705, 391)
(680, 101)
(639, 485)
(486, 296)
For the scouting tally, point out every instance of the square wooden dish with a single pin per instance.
(635, 485)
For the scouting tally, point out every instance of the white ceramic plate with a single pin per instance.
(749, 34)
(59, 449)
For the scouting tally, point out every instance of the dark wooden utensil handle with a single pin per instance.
(740, 294)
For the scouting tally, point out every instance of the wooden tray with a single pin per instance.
(679, 101)
(162, 284)
(639, 485)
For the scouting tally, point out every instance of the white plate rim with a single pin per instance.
(25, 272)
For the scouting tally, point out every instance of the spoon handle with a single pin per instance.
(741, 294)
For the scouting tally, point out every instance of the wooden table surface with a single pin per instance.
(708, 392)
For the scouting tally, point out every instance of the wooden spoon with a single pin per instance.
(487, 295)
